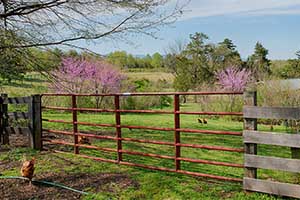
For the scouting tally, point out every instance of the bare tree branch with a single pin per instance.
(56, 22)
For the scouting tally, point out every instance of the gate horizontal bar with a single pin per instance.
(143, 111)
(81, 134)
(148, 141)
(152, 128)
(218, 148)
(80, 145)
(210, 162)
(146, 94)
(147, 154)
(159, 168)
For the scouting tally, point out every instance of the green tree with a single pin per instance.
(192, 66)
(50, 23)
(118, 58)
(131, 61)
(12, 62)
(48, 59)
(292, 68)
(196, 63)
(226, 55)
(258, 62)
(148, 61)
(198, 53)
(157, 60)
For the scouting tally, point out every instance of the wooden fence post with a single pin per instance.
(118, 128)
(250, 99)
(177, 133)
(4, 110)
(35, 112)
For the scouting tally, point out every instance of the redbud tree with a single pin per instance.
(233, 79)
(86, 76)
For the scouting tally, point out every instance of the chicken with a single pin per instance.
(204, 121)
(83, 140)
(27, 169)
(199, 121)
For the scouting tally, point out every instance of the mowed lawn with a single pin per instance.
(156, 184)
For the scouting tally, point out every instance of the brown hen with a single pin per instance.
(83, 140)
(27, 169)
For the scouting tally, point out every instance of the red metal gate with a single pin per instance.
(177, 144)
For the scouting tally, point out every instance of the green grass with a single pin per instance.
(33, 83)
(152, 76)
(156, 184)
(151, 184)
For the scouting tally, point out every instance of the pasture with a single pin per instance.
(111, 181)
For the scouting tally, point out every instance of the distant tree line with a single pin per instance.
(193, 64)
(125, 60)
(197, 62)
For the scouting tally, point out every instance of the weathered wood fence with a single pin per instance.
(33, 129)
(252, 138)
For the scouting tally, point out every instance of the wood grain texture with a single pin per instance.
(271, 112)
(17, 130)
(264, 162)
(280, 139)
(277, 188)
(250, 99)
(35, 113)
(17, 100)
(18, 115)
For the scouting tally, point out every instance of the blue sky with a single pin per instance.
(275, 23)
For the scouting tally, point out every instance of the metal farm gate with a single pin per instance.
(119, 139)
(245, 141)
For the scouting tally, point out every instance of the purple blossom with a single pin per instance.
(233, 79)
(85, 76)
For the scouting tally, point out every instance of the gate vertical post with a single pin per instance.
(75, 125)
(250, 99)
(4, 110)
(35, 112)
(118, 127)
(176, 132)
(1, 120)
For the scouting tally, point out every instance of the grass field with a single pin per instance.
(152, 76)
(154, 184)
(34, 83)
(111, 181)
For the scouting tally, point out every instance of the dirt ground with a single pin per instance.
(12, 189)
(18, 189)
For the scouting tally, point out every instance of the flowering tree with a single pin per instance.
(86, 76)
(233, 79)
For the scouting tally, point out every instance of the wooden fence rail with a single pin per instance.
(252, 162)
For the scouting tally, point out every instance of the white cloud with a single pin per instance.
(205, 8)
